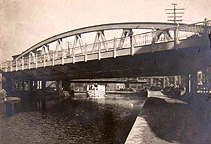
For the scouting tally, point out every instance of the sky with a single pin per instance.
(24, 23)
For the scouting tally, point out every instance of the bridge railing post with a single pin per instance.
(73, 53)
(62, 56)
(85, 53)
(145, 39)
(115, 46)
(16, 65)
(53, 58)
(153, 39)
(22, 63)
(99, 51)
(44, 59)
(131, 43)
(36, 60)
(29, 61)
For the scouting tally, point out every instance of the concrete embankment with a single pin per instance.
(164, 120)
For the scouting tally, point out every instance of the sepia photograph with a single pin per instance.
(105, 71)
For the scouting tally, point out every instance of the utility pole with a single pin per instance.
(175, 13)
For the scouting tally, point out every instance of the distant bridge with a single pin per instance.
(166, 49)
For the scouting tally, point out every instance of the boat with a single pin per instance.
(96, 91)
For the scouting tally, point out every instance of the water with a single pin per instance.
(70, 121)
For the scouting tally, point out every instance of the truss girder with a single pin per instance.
(166, 34)
(45, 52)
(112, 26)
(197, 27)
(97, 42)
(32, 57)
(59, 45)
(78, 39)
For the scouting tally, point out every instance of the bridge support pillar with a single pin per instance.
(43, 96)
(167, 81)
(179, 80)
(175, 81)
(31, 86)
(151, 82)
(7, 85)
(191, 83)
(23, 86)
(187, 83)
(34, 101)
(193, 79)
(66, 87)
(164, 82)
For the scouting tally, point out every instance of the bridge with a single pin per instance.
(160, 49)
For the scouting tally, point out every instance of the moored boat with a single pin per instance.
(96, 91)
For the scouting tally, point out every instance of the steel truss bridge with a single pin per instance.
(165, 49)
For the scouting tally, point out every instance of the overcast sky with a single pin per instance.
(26, 22)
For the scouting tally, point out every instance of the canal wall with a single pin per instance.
(164, 120)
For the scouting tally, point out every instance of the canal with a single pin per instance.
(69, 121)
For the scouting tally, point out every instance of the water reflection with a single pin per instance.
(70, 121)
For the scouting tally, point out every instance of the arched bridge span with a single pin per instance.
(162, 37)
(196, 27)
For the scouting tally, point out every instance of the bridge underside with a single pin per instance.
(162, 63)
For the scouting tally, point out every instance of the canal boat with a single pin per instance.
(96, 91)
